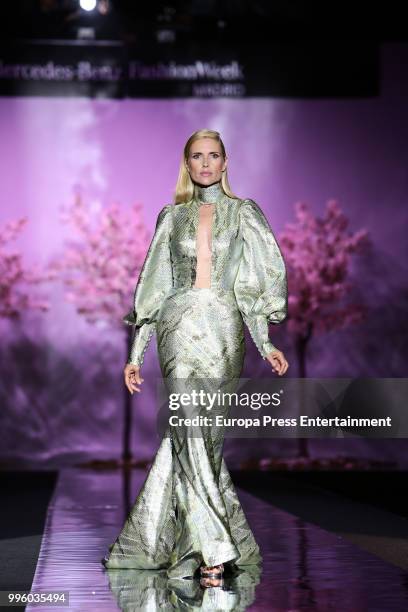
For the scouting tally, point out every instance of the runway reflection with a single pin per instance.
(147, 590)
(305, 568)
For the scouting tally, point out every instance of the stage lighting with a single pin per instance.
(86, 33)
(87, 5)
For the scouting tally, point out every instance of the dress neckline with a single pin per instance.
(209, 195)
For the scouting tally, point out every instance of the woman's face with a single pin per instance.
(205, 162)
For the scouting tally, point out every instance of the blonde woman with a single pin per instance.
(212, 265)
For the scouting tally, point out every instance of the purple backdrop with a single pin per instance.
(62, 378)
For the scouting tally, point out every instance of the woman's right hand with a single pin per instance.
(132, 377)
(278, 362)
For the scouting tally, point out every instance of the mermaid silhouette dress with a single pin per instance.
(213, 264)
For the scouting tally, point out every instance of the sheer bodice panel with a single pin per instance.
(203, 246)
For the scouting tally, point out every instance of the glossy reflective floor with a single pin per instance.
(304, 567)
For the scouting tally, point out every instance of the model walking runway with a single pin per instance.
(188, 512)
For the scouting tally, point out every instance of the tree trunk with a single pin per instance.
(301, 347)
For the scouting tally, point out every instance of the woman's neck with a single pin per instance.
(212, 193)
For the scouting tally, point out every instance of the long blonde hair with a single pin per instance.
(184, 191)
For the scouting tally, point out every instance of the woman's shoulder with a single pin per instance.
(175, 206)
(164, 214)
(249, 206)
(170, 208)
(251, 212)
(249, 202)
(170, 212)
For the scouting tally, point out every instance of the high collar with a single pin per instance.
(211, 194)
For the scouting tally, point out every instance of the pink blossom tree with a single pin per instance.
(99, 268)
(16, 278)
(102, 261)
(318, 254)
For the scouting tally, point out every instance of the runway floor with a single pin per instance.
(336, 565)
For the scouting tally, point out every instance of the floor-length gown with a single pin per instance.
(212, 265)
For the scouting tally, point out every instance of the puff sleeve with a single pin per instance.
(154, 282)
(260, 286)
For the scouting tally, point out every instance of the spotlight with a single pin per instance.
(87, 5)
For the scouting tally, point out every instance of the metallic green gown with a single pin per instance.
(187, 512)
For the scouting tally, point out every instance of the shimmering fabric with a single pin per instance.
(141, 591)
(187, 512)
(245, 259)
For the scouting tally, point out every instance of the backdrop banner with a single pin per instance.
(111, 69)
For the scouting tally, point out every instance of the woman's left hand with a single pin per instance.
(278, 362)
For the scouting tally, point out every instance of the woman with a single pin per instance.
(213, 264)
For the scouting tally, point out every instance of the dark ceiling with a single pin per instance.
(232, 21)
